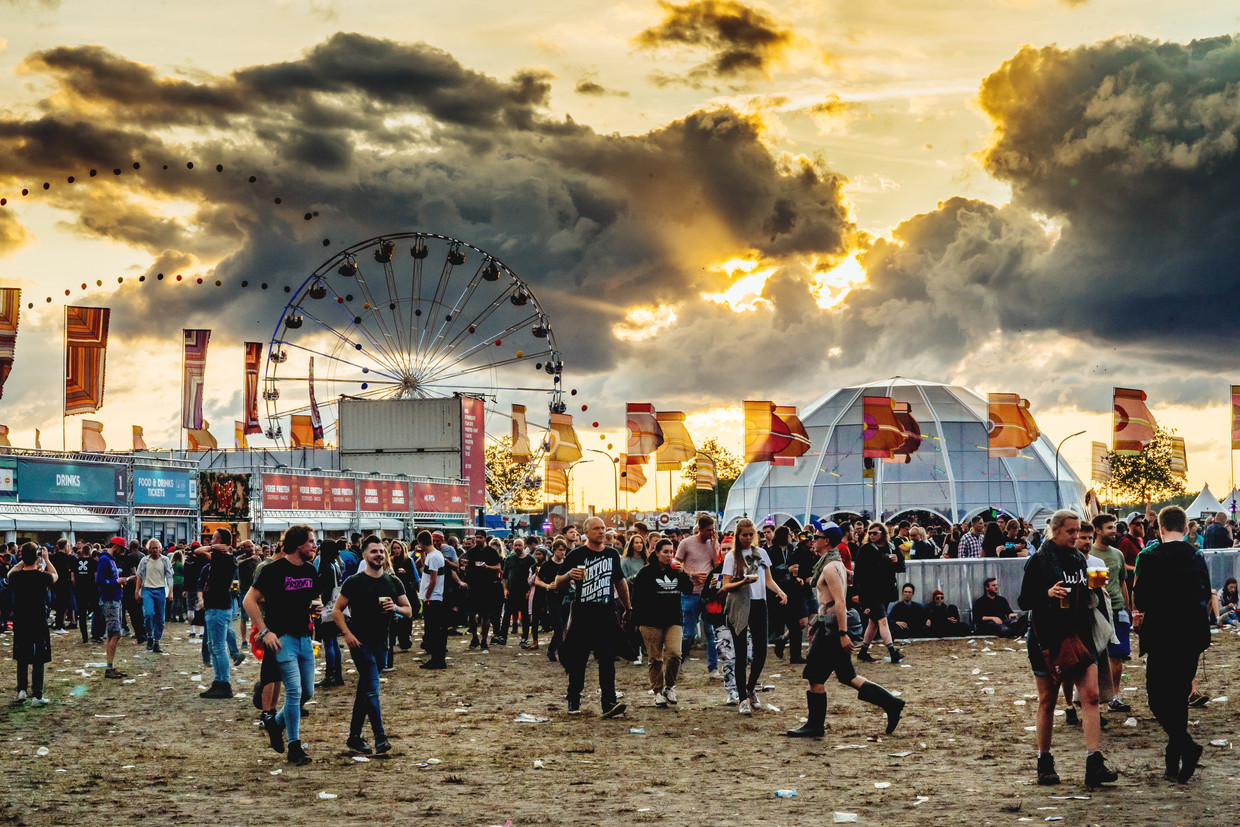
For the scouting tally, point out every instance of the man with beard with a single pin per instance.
(62, 592)
(217, 601)
(1171, 598)
(1105, 548)
(993, 615)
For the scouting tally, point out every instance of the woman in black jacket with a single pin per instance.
(874, 579)
(785, 626)
(1055, 591)
(656, 610)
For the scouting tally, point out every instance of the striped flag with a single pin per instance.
(520, 435)
(316, 421)
(677, 447)
(253, 357)
(564, 447)
(706, 476)
(92, 436)
(195, 358)
(86, 345)
(632, 477)
(1133, 423)
(1099, 465)
(301, 431)
(644, 434)
(1235, 417)
(766, 435)
(200, 439)
(555, 479)
(1179, 456)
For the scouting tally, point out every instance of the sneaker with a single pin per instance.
(574, 707)
(1071, 716)
(357, 744)
(296, 755)
(713, 675)
(1047, 777)
(660, 701)
(218, 691)
(383, 746)
(1198, 699)
(474, 643)
(732, 699)
(754, 703)
(744, 709)
(614, 711)
(1116, 705)
(21, 695)
(239, 659)
(112, 672)
(39, 702)
(496, 640)
(157, 650)
(670, 694)
(275, 733)
(1098, 773)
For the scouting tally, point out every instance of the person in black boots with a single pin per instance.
(830, 650)
(874, 580)
(1055, 591)
(1171, 594)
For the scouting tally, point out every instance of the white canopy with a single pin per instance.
(1233, 497)
(1206, 505)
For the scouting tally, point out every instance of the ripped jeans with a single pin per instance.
(726, 647)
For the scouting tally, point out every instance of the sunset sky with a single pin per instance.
(713, 200)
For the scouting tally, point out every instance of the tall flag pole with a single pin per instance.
(253, 357)
(10, 309)
(1133, 423)
(1011, 426)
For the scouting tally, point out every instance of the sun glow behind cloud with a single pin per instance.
(748, 280)
(644, 322)
(830, 287)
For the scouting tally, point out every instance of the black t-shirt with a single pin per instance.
(245, 573)
(64, 565)
(517, 572)
(363, 592)
(602, 574)
(986, 606)
(481, 577)
(218, 591)
(84, 577)
(29, 589)
(287, 592)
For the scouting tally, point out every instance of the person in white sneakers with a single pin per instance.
(657, 590)
(746, 579)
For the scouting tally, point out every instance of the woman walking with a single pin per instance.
(656, 611)
(746, 578)
(874, 580)
(327, 587)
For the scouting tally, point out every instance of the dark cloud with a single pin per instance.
(587, 86)
(742, 40)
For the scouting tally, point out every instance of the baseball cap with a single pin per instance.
(435, 534)
(119, 541)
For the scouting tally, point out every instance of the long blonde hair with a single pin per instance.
(738, 557)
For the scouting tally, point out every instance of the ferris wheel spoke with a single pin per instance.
(328, 356)
(488, 341)
(456, 340)
(441, 287)
(341, 342)
(398, 319)
(454, 313)
(393, 363)
(476, 368)
(376, 313)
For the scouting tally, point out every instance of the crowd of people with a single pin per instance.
(634, 594)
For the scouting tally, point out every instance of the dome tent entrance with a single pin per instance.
(1205, 506)
(951, 475)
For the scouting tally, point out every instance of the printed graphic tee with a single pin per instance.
(602, 574)
(287, 593)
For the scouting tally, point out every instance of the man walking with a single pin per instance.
(86, 595)
(698, 554)
(594, 570)
(372, 596)
(154, 583)
(216, 599)
(1104, 548)
(1171, 597)
(434, 618)
(286, 588)
(109, 583)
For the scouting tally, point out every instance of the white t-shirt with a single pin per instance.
(432, 563)
(758, 563)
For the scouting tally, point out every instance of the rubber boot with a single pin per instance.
(872, 693)
(864, 653)
(1098, 773)
(794, 647)
(896, 654)
(815, 720)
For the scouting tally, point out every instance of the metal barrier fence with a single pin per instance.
(961, 580)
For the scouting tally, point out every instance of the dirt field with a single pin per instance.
(152, 751)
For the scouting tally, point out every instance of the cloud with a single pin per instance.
(742, 41)
(589, 86)
(12, 233)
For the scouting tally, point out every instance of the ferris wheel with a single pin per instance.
(412, 315)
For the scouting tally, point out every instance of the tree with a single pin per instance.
(728, 467)
(1145, 476)
(503, 473)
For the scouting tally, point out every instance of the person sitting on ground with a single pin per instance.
(993, 615)
(907, 618)
(943, 618)
(1229, 603)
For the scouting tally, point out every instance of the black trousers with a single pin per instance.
(757, 633)
(36, 678)
(589, 632)
(435, 638)
(517, 605)
(1168, 682)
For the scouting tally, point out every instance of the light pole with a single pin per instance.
(615, 472)
(568, 503)
(1058, 495)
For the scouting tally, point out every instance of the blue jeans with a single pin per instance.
(691, 610)
(219, 627)
(366, 702)
(296, 662)
(153, 606)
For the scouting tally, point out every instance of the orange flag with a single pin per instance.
(798, 443)
(1133, 423)
(1011, 425)
(882, 434)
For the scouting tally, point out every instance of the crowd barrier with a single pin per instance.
(961, 580)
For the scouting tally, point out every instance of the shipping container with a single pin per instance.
(399, 425)
(439, 465)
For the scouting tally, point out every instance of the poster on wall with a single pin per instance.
(172, 489)
(384, 495)
(440, 498)
(224, 496)
(473, 449)
(8, 479)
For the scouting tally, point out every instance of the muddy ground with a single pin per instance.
(152, 751)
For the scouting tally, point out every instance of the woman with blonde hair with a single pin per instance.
(874, 580)
(746, 579)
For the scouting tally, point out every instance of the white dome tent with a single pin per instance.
(951, 475)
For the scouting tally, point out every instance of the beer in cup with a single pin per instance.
(1098, 577)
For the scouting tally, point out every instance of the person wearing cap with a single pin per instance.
(110, 583)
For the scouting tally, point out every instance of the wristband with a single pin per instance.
(263, 634)
(842, 633)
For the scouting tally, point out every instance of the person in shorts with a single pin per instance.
(110, 585)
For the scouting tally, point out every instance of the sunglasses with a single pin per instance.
(820, 536)
(876, 533)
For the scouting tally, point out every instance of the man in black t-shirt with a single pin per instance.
(285, 588)
(993, 615)
(62, 592)
(546, 579)
(86, 595)
(594, 572)
(29, 582)
(486, 591)
(517, 567)
(217, 601)
(372, 597)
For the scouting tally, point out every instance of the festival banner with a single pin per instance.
(139, 439)
(644, 434)
(201, 439)
(799, 442)
(520, 436)
(1179, 456)
(384, 495)
(240, 443)
(439, 497)
(92, 436)
(10, 309)
(473, 449)
(301, 431)
(677, 447)
(316, 421)
(86, 345)
(911, 431)
(1235, 417)
(564, 447)
(253, 358)
(1099, 464)
(341, 493)
(555, 479)
(1133, 423)
(155, 487)
(632, 477)
(706, 476)
(882, 433)
(41, 481)
(766, 435)
(1011, 425)
(194, 369)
